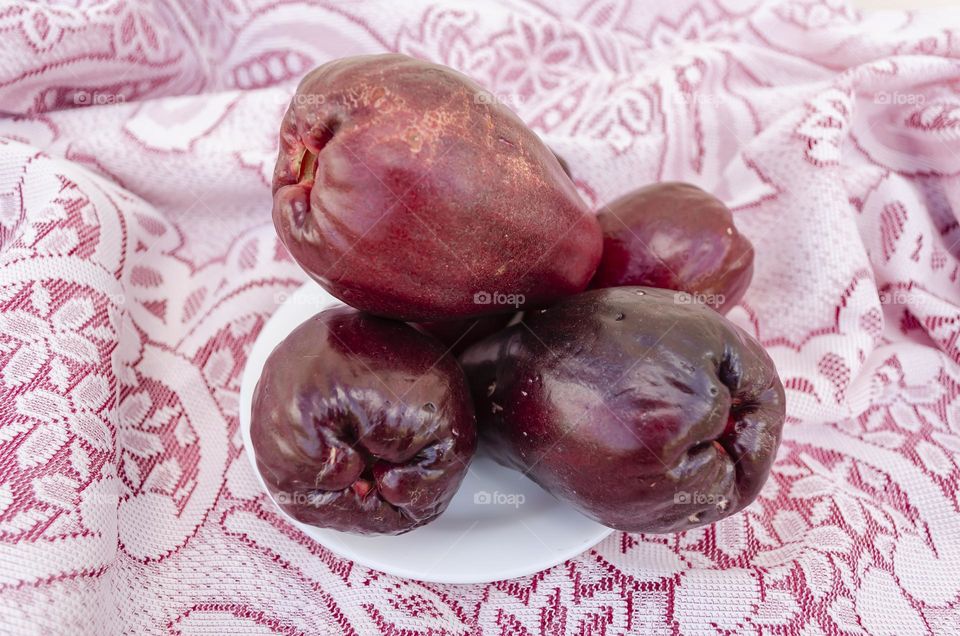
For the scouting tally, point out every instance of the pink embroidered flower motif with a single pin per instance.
(42, 25)
(537, 57)
(139, 30)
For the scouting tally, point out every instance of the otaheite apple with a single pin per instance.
(646, 414)
(406, 190)
(675, 236)
(362, 424)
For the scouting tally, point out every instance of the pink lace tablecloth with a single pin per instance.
(139, 263)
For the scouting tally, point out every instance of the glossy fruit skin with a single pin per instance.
(458, 335)
(405, 190)
(362, 424)
(644, 414)
(674, 235)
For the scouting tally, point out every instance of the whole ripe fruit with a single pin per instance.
(675, 236)
(362, 424)
(405, 190)
(646, 415)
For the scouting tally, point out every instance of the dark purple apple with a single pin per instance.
(645, 414)
(362, 424)
(407, 191)
(675, 236)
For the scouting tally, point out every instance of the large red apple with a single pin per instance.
(408, 191)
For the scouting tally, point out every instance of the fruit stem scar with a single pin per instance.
(313, 145)
(308, 168)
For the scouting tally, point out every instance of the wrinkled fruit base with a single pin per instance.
(362, 424)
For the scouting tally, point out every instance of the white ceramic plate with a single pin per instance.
(500, 525)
